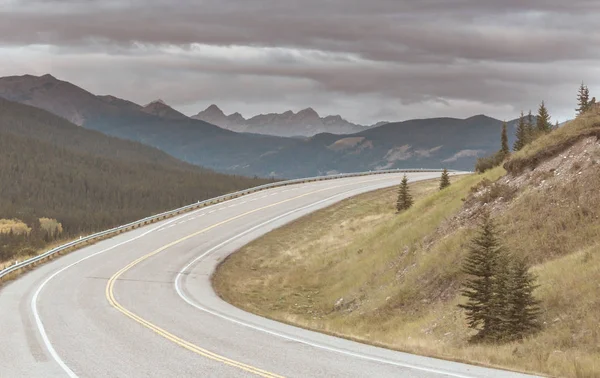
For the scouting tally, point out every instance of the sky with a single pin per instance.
(369, 61)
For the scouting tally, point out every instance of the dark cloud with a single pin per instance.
(425, 56)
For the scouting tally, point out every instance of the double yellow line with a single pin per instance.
(177, 340)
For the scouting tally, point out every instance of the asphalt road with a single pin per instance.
(141, 305)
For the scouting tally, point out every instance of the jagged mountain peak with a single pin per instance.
(305, 122)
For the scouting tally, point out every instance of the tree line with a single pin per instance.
(529, 130)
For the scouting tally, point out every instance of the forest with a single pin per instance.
(87, 182)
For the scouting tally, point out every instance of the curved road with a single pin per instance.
(141, 305)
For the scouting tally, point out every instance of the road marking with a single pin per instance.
(169, 336)
(34, 300)
(192, 347)
(181, 294)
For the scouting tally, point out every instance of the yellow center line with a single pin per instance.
(177, 340)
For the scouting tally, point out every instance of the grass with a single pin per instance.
(359, 270)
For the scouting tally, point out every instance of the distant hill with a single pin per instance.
(88, 181)
(427, 143)
(305, 123)
(161, 109)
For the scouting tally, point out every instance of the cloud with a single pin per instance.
(396, 58)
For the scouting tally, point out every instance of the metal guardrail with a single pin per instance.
(142, 222)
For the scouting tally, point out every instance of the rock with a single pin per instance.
(338, 304)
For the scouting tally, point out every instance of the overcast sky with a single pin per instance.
(366, 60)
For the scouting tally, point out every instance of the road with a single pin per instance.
(141, 305)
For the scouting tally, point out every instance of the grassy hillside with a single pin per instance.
(396, 281)
(86, 181)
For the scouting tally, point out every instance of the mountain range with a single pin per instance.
(426, 143)
(306, 122)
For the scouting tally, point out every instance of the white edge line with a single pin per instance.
(34, 299)
(302, 341)
(34, 309)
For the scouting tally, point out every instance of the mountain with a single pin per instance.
(305, 123)
(89, 181)
(160, 109)
(426, 143)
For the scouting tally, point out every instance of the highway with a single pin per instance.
(141, 304)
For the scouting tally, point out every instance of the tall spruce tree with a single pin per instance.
(481, 265)
(504, 149)
(500, 303)
(405, 200)
(521, 134)
(522, 310)
(530, 126)
(445, 179)
(583, 99)
(543, 124)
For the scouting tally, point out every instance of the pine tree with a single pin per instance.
(583, 99)
(445, 180)
(523, 310)
(530, 128)
(521, 133)
(481, 265)
(543, 124)
(500, 303)
(405, 200)
(504, 149)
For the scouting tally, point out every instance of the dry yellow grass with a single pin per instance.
(19, 227)
(397, 286)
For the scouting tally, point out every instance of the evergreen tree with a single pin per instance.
(504, 149)
(523, 310)
(405, 200)
(500, 303)
(530, 127)
(583, 99)
(543, 124)
(445, 180)
(521, 133)
(481, 265)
